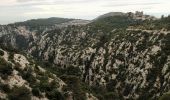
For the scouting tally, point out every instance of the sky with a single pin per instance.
(21, 10)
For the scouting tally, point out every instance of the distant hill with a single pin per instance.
(111, 14)
(76, 22)
(44, 21)
(108, 23)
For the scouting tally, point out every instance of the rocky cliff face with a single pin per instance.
(21, 77)
(130, 63)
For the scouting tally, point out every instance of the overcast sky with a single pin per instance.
(20, 10)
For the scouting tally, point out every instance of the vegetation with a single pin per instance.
(108, 33)
(166, 96)
(159, 24)
(74, 84)
(111, 95)
(20, 93)
(5, 68)
(5, 88)
(36, 92)
(1, 53)
(55, 95)
(110, 23)
(37, 23)
(43, 86)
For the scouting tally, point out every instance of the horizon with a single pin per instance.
(71, 18)
(22, 10)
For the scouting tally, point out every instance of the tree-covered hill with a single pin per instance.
(113, 57)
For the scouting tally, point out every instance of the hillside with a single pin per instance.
(22, 78)
(110, 58)
(110, 14)
(44, 21)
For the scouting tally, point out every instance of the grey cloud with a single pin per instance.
(58, 2)
(54, 1)
(28, 0)
(130, 4)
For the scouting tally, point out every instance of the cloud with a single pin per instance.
(53, 2)
(28, 0)
(130, 4)
(7, 2)
(18, 10)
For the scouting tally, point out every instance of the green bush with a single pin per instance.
(36, 92)
(5, 88)
(111, 96)
(1, 53)
(55, 95)
(11, 56)
(74, 84)
(27, 75)
(110, 86)
(165, 97)
(73, 71)
(5, 68)
(44, 86)
(20, 93)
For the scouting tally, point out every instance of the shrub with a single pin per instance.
(36, 92)
(5, 68)
(29, 77)
(1, 53)
(74, 84)
(111, 95)
(73, 71)
(110, 86)
(44, 86)
(54, 84)
(99, 96)
(20, 93)
(5, 88)
(11, 56)
(55, 95)
(165, 97)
